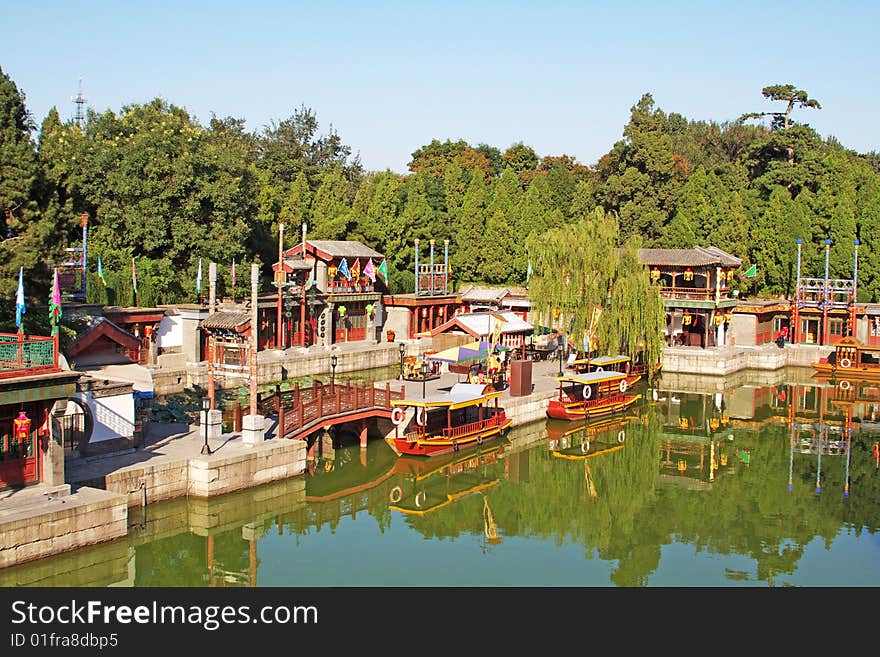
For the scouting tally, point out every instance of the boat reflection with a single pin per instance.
(427, 485)
(593, 438)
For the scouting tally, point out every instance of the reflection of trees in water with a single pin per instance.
(612, 505)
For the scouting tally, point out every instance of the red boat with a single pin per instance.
(583, 396)
(446, 422)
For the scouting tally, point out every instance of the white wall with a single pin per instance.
(170, 332)
(113, 415)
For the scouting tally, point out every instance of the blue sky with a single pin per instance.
(389, 77)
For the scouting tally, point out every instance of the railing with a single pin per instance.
(473, 427)
(299, 407)
(693, 293)
(20, 355)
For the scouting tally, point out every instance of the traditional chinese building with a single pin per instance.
(330, 291)
(31, 382)
(696, 291)
(824, 309)
(431, 304)
(513, 299)
(505, 328)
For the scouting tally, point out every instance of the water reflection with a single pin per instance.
(751, 484)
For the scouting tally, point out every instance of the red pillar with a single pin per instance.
(363, 436)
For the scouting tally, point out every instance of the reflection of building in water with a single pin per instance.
(696, 438)
(820, 422)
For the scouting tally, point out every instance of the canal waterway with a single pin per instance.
(753, 485)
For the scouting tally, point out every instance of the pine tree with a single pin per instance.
(24, 231)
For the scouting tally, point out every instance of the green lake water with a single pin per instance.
(755, 485)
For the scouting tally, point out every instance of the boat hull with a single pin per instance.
(862, 373)
(579, 410)
(428, 445)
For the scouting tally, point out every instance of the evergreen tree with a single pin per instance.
(467, 249)
(25, 234)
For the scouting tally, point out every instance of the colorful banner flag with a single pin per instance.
(199, 278)
(55, 304)
(343, 269)
(370, 271)
(20, 308)
(232, 270)
(356, 270)
(751, 272)
(134, 277)
(383, 269)
(101, 272)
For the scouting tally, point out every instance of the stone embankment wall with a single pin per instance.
(54, 523)
(723, 361)
(210, 475)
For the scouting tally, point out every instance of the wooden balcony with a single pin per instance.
(693, 293)
(22, 355)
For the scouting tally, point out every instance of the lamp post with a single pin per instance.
(401, 348)
(333, 361)
(206, 407)
(425, 368)
(560, 341)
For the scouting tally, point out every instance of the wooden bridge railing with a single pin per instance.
(301, 406)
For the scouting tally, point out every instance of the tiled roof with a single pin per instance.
(479, 324)
(695, 257)
(474, 293)
(225, 319)
(345, 249)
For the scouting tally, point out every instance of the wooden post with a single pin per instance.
(255, 327)
(212, 288)
(279, 276)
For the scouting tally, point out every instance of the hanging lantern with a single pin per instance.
(424, 312)
(682, 465)
(730, 275)
(655, 273)
(683, 423)
(331, 271)
(686, 319)
(719, 319)
(714, 424)
(441, 311)
(21, 427)
(728, 316)
(342, 310)
(688, 274)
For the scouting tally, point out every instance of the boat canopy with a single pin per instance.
(459, 396)
(591, 377)
(603, 361)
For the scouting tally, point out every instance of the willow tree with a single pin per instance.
(581, 272)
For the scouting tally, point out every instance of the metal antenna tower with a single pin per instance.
(80, 102)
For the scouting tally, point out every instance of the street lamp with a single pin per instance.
(560, 341)
(206, 407)
(401, 348)
(333, 361)
(425, 368)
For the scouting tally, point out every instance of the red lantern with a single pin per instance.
(21, 427)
